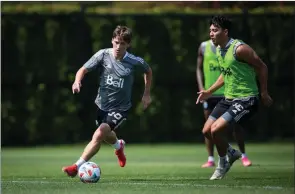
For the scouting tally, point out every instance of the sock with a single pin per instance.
(117, 145)
(210, 159)
(80, 162)
(222, 161)
(244, 155)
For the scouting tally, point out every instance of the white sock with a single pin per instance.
(210, 159)
(222, 161)
(80, 162)
(117, 145)
(244, 155)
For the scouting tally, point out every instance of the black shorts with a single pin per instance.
(236, 110)
(210, 103)
(113, 118)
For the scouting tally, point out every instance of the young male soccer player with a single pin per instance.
(116, 67)
(239, 66)
(209, 71)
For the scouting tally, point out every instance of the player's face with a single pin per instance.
(217, 34)
(119, 46)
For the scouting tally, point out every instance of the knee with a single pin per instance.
(214, 129)
(206, 131)
(101, 132)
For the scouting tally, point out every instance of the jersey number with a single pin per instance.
(117, 116)
(238, 108)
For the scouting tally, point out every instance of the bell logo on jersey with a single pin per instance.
(213, 67)
(116, 82)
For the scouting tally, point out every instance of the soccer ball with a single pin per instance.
(89, 172)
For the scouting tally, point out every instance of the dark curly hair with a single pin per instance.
(222, 22)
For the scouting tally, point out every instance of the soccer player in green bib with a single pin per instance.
(239, 65)
(207, 73)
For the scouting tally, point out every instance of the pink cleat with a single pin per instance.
(246, 162)
(208, 164)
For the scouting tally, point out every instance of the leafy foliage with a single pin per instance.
(41, 54)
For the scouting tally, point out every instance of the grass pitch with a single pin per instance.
(153, 169)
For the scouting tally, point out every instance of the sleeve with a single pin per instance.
(94, 61)
(142, 64)
(203, 46)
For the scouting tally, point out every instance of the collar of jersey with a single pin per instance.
(229, 43)
(123, 57)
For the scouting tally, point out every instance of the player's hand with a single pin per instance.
(146, 100)
(76, 87)
(203, 95)
(266, 99)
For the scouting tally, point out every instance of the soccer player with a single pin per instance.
(116, 67)
(239, 66)
(209, 71)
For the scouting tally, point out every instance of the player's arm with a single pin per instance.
(80, 74)
(246, 54)
(218, 84)
(205, 94)
(148, 76)
(199, 70)
(91, 64)
(146, 98)
(78, 78)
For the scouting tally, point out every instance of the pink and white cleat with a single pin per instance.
(246, 162)
(208, 164)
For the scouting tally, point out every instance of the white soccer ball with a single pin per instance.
(89, 172)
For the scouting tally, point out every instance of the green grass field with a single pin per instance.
(150, 169)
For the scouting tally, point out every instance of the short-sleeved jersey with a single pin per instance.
(116, 78)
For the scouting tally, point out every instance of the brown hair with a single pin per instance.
(124, 32)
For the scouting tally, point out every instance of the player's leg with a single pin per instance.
(238, 112)
(238, 134)
(112, 139)
(207, 128)
(115, 119)
(208, 142)
(242, 111)
(90, 150)
(109, 121)
(223, 164)
(93, 146)
(239, 137)
(227, 154)
(119, 146)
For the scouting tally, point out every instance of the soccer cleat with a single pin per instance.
(220, 172)
(233, 156)
(120, 154)
(71, 170)
(208, 164)
(246, 162)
